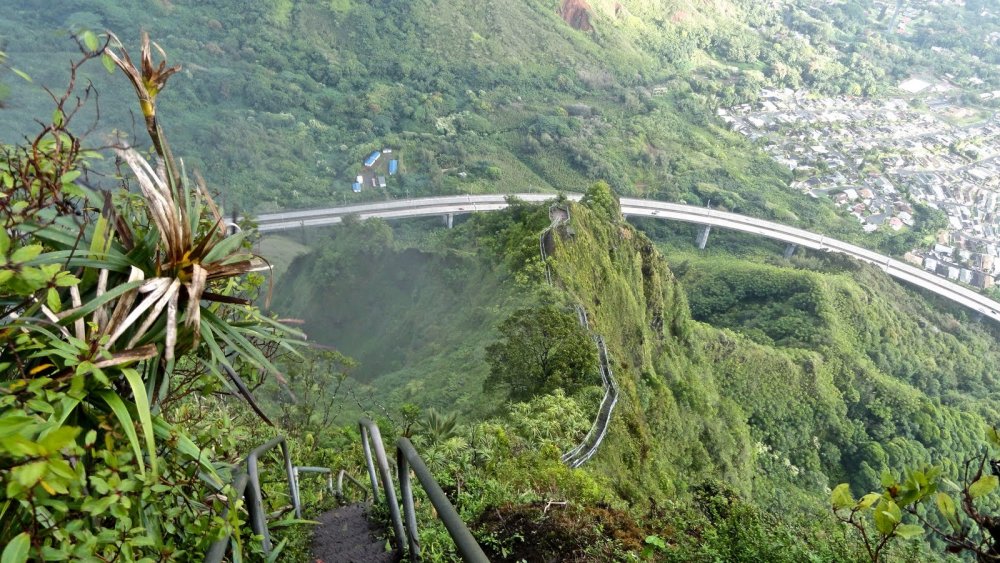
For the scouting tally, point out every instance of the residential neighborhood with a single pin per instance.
(882, 158)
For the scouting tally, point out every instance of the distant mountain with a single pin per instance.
(280, 101)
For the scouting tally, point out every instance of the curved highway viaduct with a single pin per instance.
(448, 206)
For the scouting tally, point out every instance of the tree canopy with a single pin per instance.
(541, 349)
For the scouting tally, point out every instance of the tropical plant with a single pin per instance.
(965, 526)
(540, 350)
(439, 427)
(105, 297)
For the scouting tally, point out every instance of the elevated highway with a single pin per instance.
(452, 205)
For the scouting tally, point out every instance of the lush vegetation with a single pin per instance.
(779, 378)
(756, 392)
(462, 96)
(118, 309)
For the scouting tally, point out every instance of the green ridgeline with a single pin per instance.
(749, 385)
(490, 96)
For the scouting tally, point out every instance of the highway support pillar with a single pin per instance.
(449, 220)
(703, 237)
(790, 250)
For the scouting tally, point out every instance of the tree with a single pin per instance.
(541, 350)
(601, 199)
(964, 525)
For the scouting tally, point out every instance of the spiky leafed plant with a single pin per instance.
(168, 264)
(101, 298)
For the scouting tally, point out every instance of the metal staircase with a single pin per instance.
(347, 534)
(599, 429)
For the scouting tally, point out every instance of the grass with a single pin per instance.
(280, 251)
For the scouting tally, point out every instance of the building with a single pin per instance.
(393, 166)
(381, 181)
(372, 158)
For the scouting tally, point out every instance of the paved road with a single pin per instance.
(431, 206)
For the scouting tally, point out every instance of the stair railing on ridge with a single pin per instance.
(407, 459)
(371, 436)
(246, 482)
(339, 493)
(598, 430)
(299, 469)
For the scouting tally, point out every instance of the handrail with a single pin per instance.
(218, 548)
(407, 458)
(598, 430)
(255, 500)
(339, 493)
(250, 476)
(370, 434)
(582, 453)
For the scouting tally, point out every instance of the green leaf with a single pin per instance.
(993, 435)
(17, 550)
(887, 516)
(187, 447)
(109, 64)
(946, 506)
(285, 522)
(13, 423)
(867, 501)
(909, 531)
(52, 300)
(236, 341)
(29, 474)
(656, 541)
(983, 486)
(118, 407)
(21, 73)
(224, 248)
(66, 279)
(59, 439)
(89, 40)
(26, 253)
(841, 496)
(57, 117)
(99, 240)
(4, 242)
(277, 551)
(145, 417)
(887, 479)
(97, 505)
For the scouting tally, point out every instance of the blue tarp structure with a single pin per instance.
(372, 158)
(356, 186)
(393, 165)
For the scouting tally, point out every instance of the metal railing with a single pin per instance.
(255, 498)
(371, 436)
(246, 483)
(599, 429)
(407, 458)
(217, 551)
(299, 469)
(339, 493)
(592, 441)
